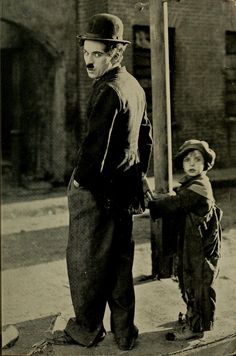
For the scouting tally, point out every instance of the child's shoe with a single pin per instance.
(183, 333)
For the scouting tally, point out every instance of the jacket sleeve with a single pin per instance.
(145, 142)
(93, 150)
(184, 202)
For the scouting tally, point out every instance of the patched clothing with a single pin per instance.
(198, 250)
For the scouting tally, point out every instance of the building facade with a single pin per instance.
(45, 86)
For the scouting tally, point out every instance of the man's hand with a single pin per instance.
(129, 160)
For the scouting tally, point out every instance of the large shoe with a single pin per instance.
(183, 333)
(182, 319)
(65, 338)
(100, 336)
(61, 339)
(127, 343)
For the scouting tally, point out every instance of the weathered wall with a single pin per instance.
(199, 76)
(49, 29)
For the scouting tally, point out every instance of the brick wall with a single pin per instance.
(199, 100)
(199, 77)
(199, 69)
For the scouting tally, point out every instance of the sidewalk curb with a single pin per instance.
(223, 347)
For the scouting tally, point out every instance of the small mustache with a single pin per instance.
(90, 66)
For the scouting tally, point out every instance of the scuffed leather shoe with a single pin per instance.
(127, 343)
(183, 333)
(100, 336)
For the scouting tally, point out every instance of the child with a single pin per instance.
(196, 221)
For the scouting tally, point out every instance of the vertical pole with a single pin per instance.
(161, 266)
(158, 95)
(168, 105)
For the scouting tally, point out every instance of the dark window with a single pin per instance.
(230, 74)
(230, 43)
(142, 63)
(7, 100)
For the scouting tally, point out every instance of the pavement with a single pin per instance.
(32, 295)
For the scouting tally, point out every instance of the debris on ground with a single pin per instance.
(56, 328)
(10, 335)
(41, 347)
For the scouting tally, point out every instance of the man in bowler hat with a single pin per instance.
(105, 191)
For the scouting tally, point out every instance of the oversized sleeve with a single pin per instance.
(93, 151)
(145, 142)
(184, 202)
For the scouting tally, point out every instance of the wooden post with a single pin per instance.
(161, 266)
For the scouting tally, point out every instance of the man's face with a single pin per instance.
(193, 163)
(97, 61)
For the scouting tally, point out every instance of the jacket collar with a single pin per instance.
(186, 180)
(109, 75)
(199, 184)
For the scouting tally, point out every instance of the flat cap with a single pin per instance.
(191, 145)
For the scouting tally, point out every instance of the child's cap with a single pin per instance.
(202, 146)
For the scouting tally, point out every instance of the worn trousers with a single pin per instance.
(197, 275)
(99, 257)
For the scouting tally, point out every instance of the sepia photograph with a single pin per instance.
(118, 177)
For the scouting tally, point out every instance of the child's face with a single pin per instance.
(193, 163)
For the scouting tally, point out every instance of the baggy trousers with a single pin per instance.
(197, 275)
(200, 297)
(100, 254)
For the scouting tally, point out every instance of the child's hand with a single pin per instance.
(148, 193)
(172, 193)
(163, 195)
(160, 195)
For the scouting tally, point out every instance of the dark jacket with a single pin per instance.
(185, 213)
(117, 146)
(194, 216)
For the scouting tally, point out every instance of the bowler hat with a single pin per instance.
(202, 146)
(104, 27)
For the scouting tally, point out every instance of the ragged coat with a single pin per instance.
(197, 252)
